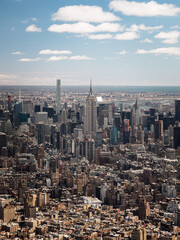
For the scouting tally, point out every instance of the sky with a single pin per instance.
(112, 42)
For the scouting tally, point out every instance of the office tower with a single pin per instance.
(91, 115)
(58, 95)
(41, 117)
(28, 107)
(64, 116)
(7, 213)
(144, 209)
(90, 150)
(3, 140)
(9, 126)
(177, 218)
(140, 135)
(78, 133)
(23, 117)
(37, 108)
(139, 234)
(58, 140)
(53, 132)
(113, 135)
(176, 136)
(99, 138)
(9, 103)
(152, 112)
(126, 131)
(50, 111)
(166, 137)
(137, 112)
(105, 110)
(177, 110)
(158, 129)
(117, 121)
(41, 132)
(17, 109)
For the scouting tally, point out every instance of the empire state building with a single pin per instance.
(90, 115)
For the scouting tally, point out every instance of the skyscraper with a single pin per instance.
(176, 136)
(41, 132)
(90, 115)
(58, 95)
(158, 129)
(137, 112)
(17, 109)
(177, 110)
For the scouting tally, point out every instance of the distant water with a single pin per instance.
(132, 89)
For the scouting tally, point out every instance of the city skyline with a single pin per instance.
(117, 42)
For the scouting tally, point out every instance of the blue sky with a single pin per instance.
(114, 42)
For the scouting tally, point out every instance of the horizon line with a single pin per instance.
(19, 85)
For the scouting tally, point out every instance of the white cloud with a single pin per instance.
(169, 37)
(142, 27)
(82, 57)
(60, 58)
(126, 36)
(54, 52)
(29, 59)
(55, 58)
(83, 13)
(16, 53)
(158, 51)
(144, 9)
(100, 36)
(123, 52)
(121, 36)
(33, 28)
(82, 27)
(146, 40)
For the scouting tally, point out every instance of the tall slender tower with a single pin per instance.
(58, 95)
(91, 115)
(137, 112)
(177, 110)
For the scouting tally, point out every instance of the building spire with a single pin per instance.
(19, 95)
(90, 90)
(137, 104)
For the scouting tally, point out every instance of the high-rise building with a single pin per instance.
(28, 107)
(3, 140)
(158, 129)
(58, 95)
(17, 109)
(90, 115)
(9, 103)
(41, 117)
(113, 135)
(126, 131)
(41, 132)
(176, 136)
(37, 108)
(177, 110)
(137, 112)
(138, 233)
(144, 209)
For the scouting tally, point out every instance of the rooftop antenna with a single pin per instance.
(90, 86)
